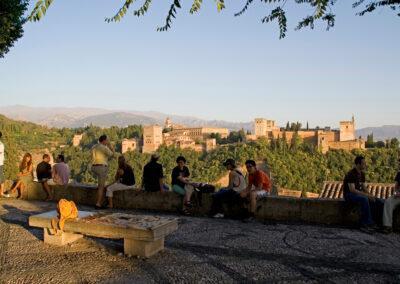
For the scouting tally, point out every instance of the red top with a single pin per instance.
(259, 177)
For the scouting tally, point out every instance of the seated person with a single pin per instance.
(44, 174)
(259, 186)
(124, 179)
(354, 190)
(24, 176)
(391, 204)
(61, 171)
(153, 175)
(237, 184)
(181, 183)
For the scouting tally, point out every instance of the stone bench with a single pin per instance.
(143, 235)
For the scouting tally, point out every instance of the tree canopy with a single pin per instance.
(11, 22)
(322, 11)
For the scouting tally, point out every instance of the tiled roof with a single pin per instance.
(334, 190)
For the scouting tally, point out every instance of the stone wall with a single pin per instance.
(275, 208)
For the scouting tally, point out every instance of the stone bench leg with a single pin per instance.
(60, 240)
(143, 248)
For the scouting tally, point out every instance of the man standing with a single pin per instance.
(391, 204)
(2, 179)
(101, 153)
(61, 171)
(153, 176)
(43, 173)
(259, 185)
(237, 184)
(355, 190)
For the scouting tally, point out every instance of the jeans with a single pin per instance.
(223, 195)
(368, 208)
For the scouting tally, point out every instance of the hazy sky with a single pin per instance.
(209, 65)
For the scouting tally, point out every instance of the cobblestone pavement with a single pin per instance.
(201, 251)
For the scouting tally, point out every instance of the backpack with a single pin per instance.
(66, 210)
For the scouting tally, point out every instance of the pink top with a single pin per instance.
(61, 173)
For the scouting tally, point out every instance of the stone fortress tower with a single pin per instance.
(152, 138)
(348, 130)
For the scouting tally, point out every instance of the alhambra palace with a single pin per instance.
(198, 138)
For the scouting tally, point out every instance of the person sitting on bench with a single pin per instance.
(24, 177)
(259, 186)
(181, 183)
(124, 179)
(230, 194)
(44, 174)
(391, 204)
(355, 191)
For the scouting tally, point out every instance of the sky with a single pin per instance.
(210, 65)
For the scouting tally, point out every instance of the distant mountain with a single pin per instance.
(80, 117)
(380, 133)
(120, 119)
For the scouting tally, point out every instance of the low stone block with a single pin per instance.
(62, 239)
(143, 248)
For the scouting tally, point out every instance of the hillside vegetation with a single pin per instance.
(297, 166)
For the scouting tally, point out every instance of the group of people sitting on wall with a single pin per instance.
(45, 173)
(153, 180)
(374, 211)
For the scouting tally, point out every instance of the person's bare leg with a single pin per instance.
(253, 202)
(20, 189)
(100, 193)
(1, 189)
(110, 203)
(47, 189)
(15, 186)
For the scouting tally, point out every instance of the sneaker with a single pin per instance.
(5, 195)
(218, 216)
(386, 230)
(368, 229)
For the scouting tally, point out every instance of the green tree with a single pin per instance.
(394, 143)
(370, 141)
(11, 22)
(321, 11)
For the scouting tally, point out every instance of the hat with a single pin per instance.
(155, 156)
(230, 162)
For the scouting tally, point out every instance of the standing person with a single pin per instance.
(259, 186)
(43, 173)
(124, 179)
(61, 171)
(101, 153)
(355, 190)
(391, 204)
(24, 176)
(181, 183)
(230, 194)
(153, 175)
(2, 179)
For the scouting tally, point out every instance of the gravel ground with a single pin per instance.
(201, 251)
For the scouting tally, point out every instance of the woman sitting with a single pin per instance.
(25, 175)
(181, 183)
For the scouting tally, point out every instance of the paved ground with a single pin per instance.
(202, 251)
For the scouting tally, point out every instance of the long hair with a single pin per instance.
(24, 163)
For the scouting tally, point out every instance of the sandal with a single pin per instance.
(186, 212)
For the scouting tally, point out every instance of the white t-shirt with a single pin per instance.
(1, 154)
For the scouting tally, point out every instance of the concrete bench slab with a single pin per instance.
(143, 235)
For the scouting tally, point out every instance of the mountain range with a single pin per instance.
(79, 117)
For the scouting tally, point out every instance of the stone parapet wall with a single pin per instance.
(274, 208)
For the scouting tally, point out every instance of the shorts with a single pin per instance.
(43, 180)
(100, 173)
(182, 191)
(2, 179)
